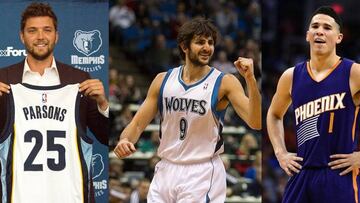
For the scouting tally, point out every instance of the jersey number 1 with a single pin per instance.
(51, 146)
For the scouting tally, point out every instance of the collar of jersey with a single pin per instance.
(312, 76)
(186, 87)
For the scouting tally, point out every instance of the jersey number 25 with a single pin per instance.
(51, 146)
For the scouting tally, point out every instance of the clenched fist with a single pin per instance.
(124, 148)
(245, 66)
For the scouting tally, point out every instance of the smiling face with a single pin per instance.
(200, 50)
(39, 37)
(323, 35)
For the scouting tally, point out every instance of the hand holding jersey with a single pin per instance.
(42, 143)
(4, 88)
(94, 88)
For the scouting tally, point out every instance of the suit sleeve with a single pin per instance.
(95, 121)
(3, 103)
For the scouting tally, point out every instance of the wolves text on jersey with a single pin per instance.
(185, 104)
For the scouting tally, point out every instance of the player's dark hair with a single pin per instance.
(328, 10)
(37, 10)
(196, 27)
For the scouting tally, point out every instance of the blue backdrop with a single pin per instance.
(78, 21)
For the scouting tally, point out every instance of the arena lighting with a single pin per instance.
(338, 8)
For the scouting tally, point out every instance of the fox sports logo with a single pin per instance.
(10, 51)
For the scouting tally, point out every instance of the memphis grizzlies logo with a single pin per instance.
(97, 165)
(98, 168)
(87, 42)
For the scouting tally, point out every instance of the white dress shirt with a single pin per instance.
(50, 77)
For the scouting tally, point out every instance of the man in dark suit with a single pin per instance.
(39, 35)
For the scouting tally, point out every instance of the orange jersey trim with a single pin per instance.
(331, 122)
(354, 124)
(355, 185)
(327, 74)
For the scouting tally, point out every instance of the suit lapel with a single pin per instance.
(62, 73)
(16, 73)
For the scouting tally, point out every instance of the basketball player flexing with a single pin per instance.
(192, 99)
(325, 94)
(39, 34)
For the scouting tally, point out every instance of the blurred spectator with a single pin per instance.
(149, 172)
(248, 145)
(251, 172)
(223, 64)
(232, 176)
(128, 91)
(142, 15)
(123, 91)
(231, 173)
(255, 187)
(149, 144)
(121, 16)
(124, 119)
(139, 195)
(158, 56)
(229, 46)
(116, 168)
(119, 193)
(226, 18)
(113, 88)
(134, 92)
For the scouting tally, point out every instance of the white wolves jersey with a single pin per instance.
(45, 156)
(190, 130)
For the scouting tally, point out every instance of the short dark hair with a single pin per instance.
(328, 10)
(196, 27)
(37, 10)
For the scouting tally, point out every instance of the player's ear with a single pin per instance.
(307, 36)
(183, 47)
(339, 39)
(56, 37)
(21, 34)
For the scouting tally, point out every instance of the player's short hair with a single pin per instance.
(37, 9)
(328, 10)
(196, 27)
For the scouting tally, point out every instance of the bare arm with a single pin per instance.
(248, 108)
(142, 118)
(355, 83)
(349, 162)
(279, 105)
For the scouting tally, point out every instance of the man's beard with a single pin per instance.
(31, 51)
(194, 59)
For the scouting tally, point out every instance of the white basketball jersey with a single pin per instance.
(191, 127)
(45, 157)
